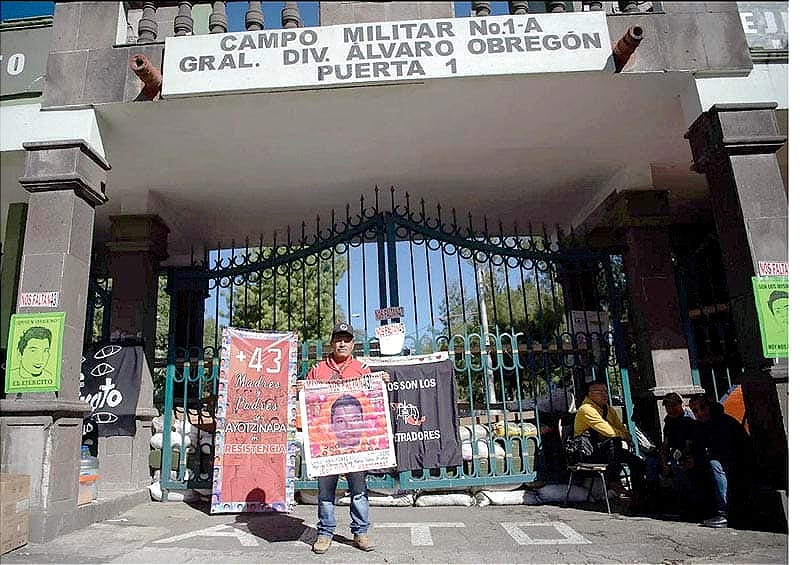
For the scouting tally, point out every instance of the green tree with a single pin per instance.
(533, 310)
(296, 296)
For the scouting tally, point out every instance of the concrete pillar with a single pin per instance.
(734, 145)
(188, 295)
(656, 325)
(41, 432)
(138, 243)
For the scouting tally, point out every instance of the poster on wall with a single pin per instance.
(254, 438)
(422, 396)
(772, 304)
(348, 425)
(33, 361)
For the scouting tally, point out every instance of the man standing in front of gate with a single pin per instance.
(341, 364)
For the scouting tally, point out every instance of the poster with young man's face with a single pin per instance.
(348, 426)
(33, 361)
(772, 305)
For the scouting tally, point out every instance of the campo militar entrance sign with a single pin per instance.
(253, 466)
(383, 52)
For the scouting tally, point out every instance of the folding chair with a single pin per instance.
(592, 468)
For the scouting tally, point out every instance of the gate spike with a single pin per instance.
(274, 242)
(486, 227)
(288, 237)
(347, 213)
(377, 204)
(545, 236)
(422, 207)
(391, 193)
(261, 246)
(500, 227)
(362, 205)
(319, 234)
(469, 217)
(455, 223)
(303, 233)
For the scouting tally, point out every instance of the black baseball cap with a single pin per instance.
(342, 328)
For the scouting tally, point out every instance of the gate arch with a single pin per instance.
(525, 318)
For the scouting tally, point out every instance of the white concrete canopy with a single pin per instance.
(539, 148)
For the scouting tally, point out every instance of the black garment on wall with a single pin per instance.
(111, 377)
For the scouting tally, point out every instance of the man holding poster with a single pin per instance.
(336, 401)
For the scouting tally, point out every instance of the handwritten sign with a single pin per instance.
(38, 299)
(254, 439)
(385, 52)
(773, 268)
(389, 313)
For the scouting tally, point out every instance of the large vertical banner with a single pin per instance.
(253, 461)
(422, 395)
(349, 426)
(33, 361)
(772, 305)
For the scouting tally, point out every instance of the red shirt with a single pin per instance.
(330, 370)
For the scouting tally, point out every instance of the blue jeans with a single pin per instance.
(359, 504)
(719, 481)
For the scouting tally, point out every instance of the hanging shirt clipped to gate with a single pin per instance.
(422, 395)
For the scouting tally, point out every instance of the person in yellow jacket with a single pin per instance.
(600, 423)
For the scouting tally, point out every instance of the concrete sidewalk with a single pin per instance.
(176, 532)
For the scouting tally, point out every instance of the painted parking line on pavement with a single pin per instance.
(221, 531)
(420, 531)
(514, 529)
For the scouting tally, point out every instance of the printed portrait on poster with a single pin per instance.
(349, 426)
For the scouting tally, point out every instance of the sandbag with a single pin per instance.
(508, 498)
(502, 487)
(157, 440)
(445, 499)
(483, 450)
(555, 493)
(465, 432)
(187, 495)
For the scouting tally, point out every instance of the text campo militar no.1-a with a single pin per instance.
(390, 50)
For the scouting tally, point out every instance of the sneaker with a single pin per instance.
(718, 521)
(362, 542)
(321, 545)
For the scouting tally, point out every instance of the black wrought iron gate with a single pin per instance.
(525, 317)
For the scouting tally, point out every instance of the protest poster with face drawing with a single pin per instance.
(33, 361)
(348, 426)
(772, 305)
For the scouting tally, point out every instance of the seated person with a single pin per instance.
(680, 443)
(605, 430)
(726, 453)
